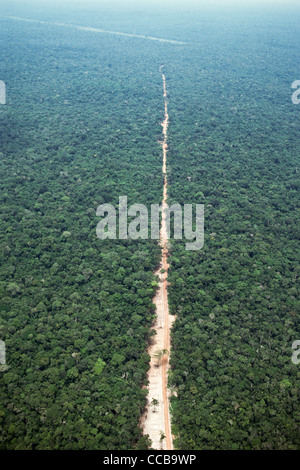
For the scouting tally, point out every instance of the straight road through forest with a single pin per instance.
(156, 422)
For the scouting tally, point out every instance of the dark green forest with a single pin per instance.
(234, 146)
(80, 128)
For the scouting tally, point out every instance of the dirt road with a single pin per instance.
(156, 421)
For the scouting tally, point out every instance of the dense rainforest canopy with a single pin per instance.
(80, 128)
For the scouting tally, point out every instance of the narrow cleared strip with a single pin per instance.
(156, 421)
(95, 30)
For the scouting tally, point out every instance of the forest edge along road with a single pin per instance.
(156, 423)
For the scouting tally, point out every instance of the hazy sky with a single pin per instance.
(42, 7)
(149, 3)
(173, 2)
